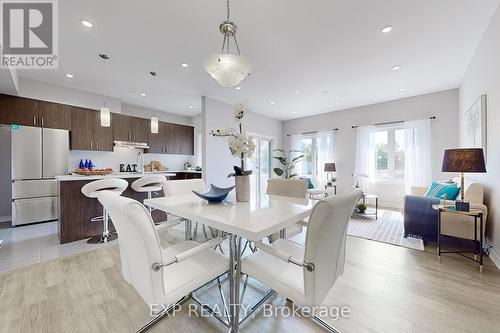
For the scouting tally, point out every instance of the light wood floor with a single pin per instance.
(389, 289)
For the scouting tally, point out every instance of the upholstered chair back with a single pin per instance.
(139, 244)
(325, 243)
(296, 188)
(183, 186)
(474, 192)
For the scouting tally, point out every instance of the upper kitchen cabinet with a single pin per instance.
(140, 129)
(186, 137)
(18, 110)
(52, 115)
(102, 136)
(87, 132)
(172, 138)
(157, 141)
(122, 127)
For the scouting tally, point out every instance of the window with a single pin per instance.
(317, 149)
(389, 154)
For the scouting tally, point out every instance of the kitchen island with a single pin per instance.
(76, 210)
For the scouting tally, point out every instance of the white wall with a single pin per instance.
(443, 105)
(217, 160)
(483, 77)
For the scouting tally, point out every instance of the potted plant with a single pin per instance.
(240, 146)
(287, 163)
(361, 208)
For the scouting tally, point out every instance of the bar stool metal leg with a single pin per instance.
(106, 235)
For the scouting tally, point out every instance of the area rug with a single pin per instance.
(388, 228)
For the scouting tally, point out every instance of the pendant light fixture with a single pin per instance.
(154, 120)
(105, 111)
(227, 68)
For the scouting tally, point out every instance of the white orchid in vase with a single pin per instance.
(240, 145)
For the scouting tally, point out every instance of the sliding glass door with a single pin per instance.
(260, 164)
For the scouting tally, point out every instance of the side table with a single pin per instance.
(478, 217)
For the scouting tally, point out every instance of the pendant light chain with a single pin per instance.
(228, 10)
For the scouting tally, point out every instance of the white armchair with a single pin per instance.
(456, 225)
(305, 273)
(162, 276)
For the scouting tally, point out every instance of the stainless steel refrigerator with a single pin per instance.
(38, 155)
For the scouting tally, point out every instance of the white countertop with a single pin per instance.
(123, 175)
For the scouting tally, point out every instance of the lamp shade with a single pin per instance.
(105, 117)
(227, 69)
(330, 167)
(464, 160)
(154, 125)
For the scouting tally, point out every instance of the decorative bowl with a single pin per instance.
(214, 193)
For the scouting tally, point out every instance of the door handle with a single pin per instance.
(90, 144)
(42, 121)
(34, 120)
(97, 145)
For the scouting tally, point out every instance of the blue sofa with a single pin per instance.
(420, 220)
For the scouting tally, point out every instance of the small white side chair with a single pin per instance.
(91, 190)
(183, 187)
(305, 274)
(149, 184)
(295, 188)
(161, 276)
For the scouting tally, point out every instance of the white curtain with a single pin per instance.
(324, 154)
(297, 145)
(364, 170)
(417, 153)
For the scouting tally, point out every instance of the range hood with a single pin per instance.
(130, 144)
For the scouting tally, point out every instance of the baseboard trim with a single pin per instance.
(5, 219)
(495, 258)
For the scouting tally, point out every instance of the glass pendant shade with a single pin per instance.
(154, 125)
(227, 69)
(105, 117)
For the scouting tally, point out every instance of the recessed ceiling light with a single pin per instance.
(70, 76)
(143, 94)
(294, 112)
(184, 65)
(338, 103)
(272, 103)
(191, 106)
(87, 24)
(297, 93)
(402, 89)
(238, 88)
(395, 68)
(387, 29)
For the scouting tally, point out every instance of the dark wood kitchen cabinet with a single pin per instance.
(87, 132)
(186, 140)
(172, 139)
(53, 115)
(157, 141)
(122, 127)
(19, 111)
(140, 129)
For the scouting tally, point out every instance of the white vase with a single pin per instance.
(242, 188)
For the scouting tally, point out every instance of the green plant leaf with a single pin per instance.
(293, 175)
(296, 159)
(278, 171)
(281, 159)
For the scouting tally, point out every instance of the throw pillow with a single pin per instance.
(443, 191)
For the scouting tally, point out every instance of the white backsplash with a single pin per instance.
(126, 156)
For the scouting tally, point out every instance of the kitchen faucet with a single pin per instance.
(140, 162)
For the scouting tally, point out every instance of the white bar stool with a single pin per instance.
(91, 190)
(149, 184)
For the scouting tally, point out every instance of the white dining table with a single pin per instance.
(262, 216)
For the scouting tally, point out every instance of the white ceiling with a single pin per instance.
(328, 50)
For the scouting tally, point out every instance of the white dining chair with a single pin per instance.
(305, 274)
(161, 276)
(182, 187)
(295, 188)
